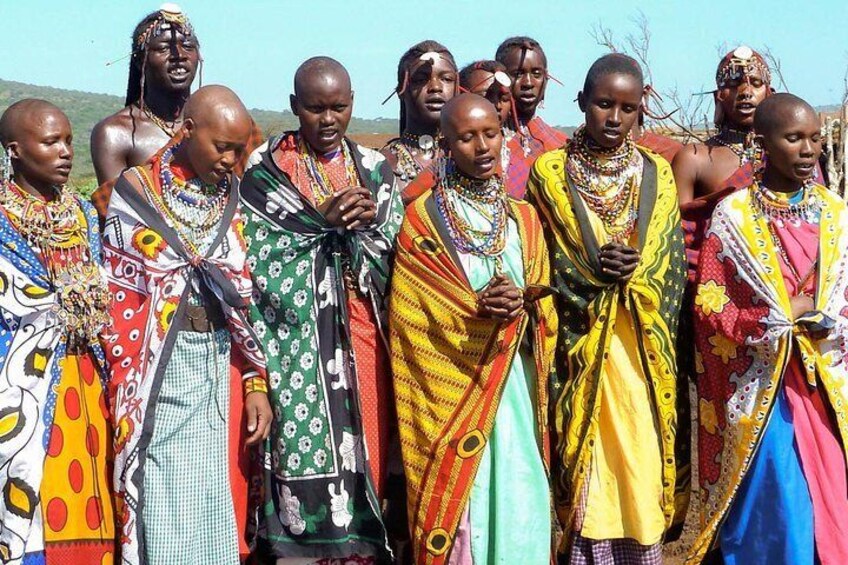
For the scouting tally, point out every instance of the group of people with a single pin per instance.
(472, 346)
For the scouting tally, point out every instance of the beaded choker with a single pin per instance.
(193, 207)
(55, 230)
(608, 181)
(487, 198)
(734, 140)
(774, 206)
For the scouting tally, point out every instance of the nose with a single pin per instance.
(228, 159)
(66, 151)
(614, 117)
(326, 118)
(434, 84)
(480, 146)
(807, 148)
(525, 81)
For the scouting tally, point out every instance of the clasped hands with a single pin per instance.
(349, 208)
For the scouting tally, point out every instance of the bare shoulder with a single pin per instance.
(118, 125)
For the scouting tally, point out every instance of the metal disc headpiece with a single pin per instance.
(170, 16)
(739, 65)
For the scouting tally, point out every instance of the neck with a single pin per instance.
(416, 127)
(524, 117)
(166, 105)
(181, 160)
(778, 183)
(42, 191)
(733, 132)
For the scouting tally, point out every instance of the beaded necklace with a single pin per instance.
(160, 123)
(321, 184)
(800, 206)
(488, 198)
(608, 181)
(734, 140)
(55, 231)
(193, 207)
(407, 163)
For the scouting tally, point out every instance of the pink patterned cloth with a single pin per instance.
(822, 457)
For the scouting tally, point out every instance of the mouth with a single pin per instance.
(434, 104)
(64, 170)
(485, 163)
(327, 135)
(612, 133)
(527, 97)
(178, 73)
(805, 169)
(746, 108)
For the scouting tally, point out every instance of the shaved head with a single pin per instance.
(215, 102)
(216, 130)
(463, 107)
(779, 110)
(21, 115)
(472, 129)
(320, 71)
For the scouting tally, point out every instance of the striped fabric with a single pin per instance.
(188, 508)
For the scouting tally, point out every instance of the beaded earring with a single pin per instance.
(755, 154)
(5, 165)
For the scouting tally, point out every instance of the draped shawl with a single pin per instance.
(450, 367)
(588, 307)
(318, 474)
(32, 347)
(152, 274)
(745, 337)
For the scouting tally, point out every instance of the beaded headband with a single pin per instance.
(170, 17)
(739, 65)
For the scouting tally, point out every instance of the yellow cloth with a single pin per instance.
(76, 493)
(625, 484)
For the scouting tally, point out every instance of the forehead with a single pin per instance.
(479, 81)
(533, 59)
(481, 115)
(223, 124)
(441, 65)
(169, 32)
(618, 85)
(45, 122)
(795, 117)
(324, 88)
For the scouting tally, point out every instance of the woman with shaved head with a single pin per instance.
(472, 339)
(187, 387)
(771, 313)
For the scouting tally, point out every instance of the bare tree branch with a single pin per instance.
(775, 66)
(603, 36)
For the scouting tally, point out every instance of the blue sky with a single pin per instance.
(254, 46)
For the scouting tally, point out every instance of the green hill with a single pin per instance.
(85, 109)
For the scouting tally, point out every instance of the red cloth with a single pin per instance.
(819, 449)
(542, 138)
(696, 214)
(661, 144)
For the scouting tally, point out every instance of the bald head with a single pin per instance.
(779, 111)
(215, 102)
(216, 130)
(19, 118)
(472, 129)
(464, 108)
(321, 73)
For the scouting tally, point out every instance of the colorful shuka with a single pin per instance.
(772, 397)
(156, 275)
(531, 140)
(461, 382)
(318, 310)
(616, 366)
(56, 506)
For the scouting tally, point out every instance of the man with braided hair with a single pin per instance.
(427, 79)
(527, 65)
(165, 56)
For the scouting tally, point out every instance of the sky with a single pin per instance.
(254, 46)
